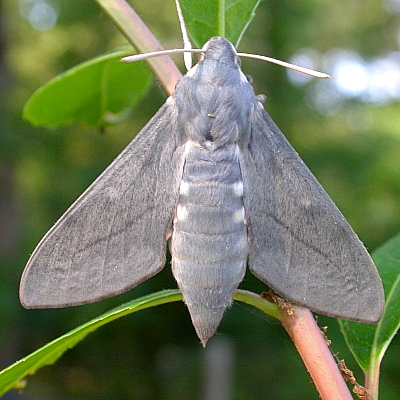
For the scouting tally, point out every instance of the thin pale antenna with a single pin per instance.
(303, 70)
(187, 57)
(285, 64)
(145, 56)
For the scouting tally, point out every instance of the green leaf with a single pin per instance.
(258, 301)
(11, 377)
(227, 18)
(368, 343)
(98, 92)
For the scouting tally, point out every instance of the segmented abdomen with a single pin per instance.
(209, 244)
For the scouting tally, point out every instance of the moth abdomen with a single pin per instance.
(209, 245)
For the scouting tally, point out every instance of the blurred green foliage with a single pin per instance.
(353, 149)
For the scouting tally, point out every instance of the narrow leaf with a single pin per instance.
(368, 343)
(227, 18)
(11, 377)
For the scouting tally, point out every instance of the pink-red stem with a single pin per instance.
(314, 351)
(135, 30)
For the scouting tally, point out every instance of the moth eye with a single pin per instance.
(249, 79)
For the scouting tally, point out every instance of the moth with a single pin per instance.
(212, 176)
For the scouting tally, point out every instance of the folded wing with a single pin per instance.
(114, 236)
(301, 245)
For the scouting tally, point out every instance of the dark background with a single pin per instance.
(347, 130)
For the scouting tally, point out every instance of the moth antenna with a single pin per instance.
(145, 56)
(187, 57)
(303, 70)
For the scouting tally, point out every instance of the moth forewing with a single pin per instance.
(114, 236)
(301, 244)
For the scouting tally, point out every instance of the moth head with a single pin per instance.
(220, 49)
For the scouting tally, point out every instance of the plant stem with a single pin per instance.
(134, 29)
(315, 353)
(372, 379)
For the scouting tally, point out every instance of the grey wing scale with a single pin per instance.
(114, 236)
(300, 243)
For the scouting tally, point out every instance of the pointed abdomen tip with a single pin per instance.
(206, 321)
